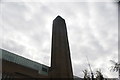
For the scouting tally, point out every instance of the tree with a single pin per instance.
(86, 75)
(99, 75)
(115, 67)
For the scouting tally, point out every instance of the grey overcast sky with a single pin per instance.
(92, 27)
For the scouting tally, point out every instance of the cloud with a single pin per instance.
(92, 31)
(59, 1)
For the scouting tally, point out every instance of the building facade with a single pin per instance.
(14, 66)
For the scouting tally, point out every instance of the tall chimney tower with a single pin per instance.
(61, 66)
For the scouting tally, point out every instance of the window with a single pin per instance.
(44, 69)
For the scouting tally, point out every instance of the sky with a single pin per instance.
(92, 27)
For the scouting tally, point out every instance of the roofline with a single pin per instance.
(22, 57)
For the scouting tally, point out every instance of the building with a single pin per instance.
(17, 67)
(61, 66)
(14, 66)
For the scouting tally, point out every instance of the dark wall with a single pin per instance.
(18, 71)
